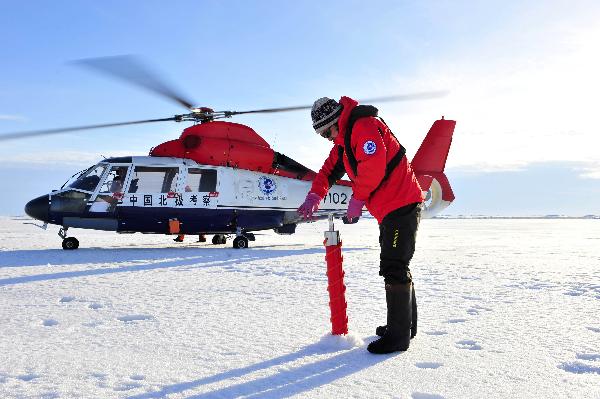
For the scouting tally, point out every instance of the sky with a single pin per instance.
(522, 78)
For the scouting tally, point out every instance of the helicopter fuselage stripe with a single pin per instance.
(257, 208)
(192, 220)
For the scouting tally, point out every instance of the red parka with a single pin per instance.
(373, 146)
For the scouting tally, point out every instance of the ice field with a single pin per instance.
(507, 309)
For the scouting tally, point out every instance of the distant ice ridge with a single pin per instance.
(515, 217)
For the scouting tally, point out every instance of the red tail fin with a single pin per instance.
(432, 155)
(429, 163)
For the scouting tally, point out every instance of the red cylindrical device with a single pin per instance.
(336, 287)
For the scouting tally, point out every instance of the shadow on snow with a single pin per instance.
(285, 382)
(145, 259)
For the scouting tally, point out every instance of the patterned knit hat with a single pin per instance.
(325, 112)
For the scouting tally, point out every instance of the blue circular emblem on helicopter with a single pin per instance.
(267, 185)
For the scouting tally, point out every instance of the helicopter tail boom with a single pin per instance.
(429, 163)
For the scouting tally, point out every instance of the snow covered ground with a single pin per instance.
(508, 308)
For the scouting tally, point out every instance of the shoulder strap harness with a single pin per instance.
(362, 111)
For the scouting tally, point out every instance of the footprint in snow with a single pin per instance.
(456, 321)
(436, 332)
(99, 376)
(50, 322)
(28, 377)
(95, 306)
(476, 309)
(471, 298)
(594, 329)
(428, 365)
(421, 395)
(575, 292)
(127, 386)
(594, 357)
(92, 324)
(135, 317)
(66, 299)
(468, 344)
(578, 367)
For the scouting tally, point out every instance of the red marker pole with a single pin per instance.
(335, 279)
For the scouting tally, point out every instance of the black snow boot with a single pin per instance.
(380, 330)
(179, 238)
(399, 320)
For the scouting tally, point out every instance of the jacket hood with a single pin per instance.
(349, 104)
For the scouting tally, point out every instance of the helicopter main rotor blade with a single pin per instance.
(46, 132)
(132, 70)
(426, 95)
(267, 110)
(402, 97)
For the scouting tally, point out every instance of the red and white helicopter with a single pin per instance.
(219, 178)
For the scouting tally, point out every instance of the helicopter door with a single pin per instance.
(201, 188)
(152, 198)
(200, 199)
(111, 190)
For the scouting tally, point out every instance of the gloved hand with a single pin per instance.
(309, 206)
(354, 208)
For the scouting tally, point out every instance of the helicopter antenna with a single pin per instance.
(74, 174)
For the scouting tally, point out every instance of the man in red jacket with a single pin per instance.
(382, 179)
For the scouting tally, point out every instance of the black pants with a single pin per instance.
(397, 236)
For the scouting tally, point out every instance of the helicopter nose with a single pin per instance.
(38, 208)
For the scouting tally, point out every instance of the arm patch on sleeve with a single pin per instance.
(369, 147)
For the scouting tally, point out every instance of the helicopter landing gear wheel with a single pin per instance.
(240, 242)
(219, 239)
(70, 243)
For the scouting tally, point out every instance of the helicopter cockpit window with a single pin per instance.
(148, 179)
(201, 180)
(88, 180)
(115, 180)
(111, 190)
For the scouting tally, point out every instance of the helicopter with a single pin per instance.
(220, 178)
